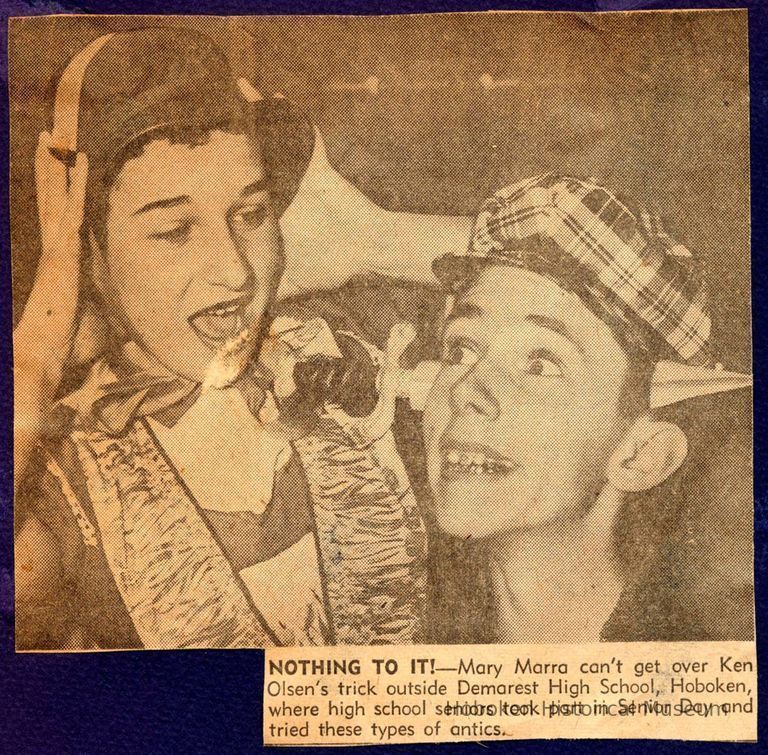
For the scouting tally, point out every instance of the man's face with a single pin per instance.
(193, 250)
(525, 411)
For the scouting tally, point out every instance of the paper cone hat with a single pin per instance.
(673, 382)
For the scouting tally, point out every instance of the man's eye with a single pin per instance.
(542, 366)
(179, 234)
(460, 354)
(250, 218)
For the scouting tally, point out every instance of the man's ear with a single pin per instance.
(650, 452)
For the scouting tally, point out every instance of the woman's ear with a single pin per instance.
(650, 452)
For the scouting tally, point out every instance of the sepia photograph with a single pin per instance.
(387, 330)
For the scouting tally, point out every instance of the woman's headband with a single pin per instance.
(66, 109)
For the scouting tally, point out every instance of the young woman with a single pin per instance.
(158, 512)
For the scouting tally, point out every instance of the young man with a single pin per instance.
(562, 506)
(541, 445)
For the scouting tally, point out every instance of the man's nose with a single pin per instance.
(229, 267)
(474, 392)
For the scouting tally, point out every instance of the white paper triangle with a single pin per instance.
(673, 382)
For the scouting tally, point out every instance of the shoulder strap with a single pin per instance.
(176, 582)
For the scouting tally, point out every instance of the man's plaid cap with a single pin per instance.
(625, 254)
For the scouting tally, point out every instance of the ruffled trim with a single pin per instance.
(371, 538)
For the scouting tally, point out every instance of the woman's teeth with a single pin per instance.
(230, 310)
(475, 462)
(220, 324)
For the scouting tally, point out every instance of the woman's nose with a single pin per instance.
(474, 392)
(229, 267)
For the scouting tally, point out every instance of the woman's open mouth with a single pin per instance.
(460, 459)
(220, 323)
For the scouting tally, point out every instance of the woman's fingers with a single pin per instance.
(63, 206)
(55, 172)
(60, 196)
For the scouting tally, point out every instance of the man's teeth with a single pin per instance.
(475, 462)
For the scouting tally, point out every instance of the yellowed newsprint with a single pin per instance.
(414, 349)
(374, 695)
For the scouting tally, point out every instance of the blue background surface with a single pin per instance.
(210, 701)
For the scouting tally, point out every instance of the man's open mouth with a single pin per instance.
(459, 459)
(220, 323)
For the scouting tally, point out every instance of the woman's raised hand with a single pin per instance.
(44, 337)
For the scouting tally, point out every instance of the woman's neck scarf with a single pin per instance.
(131, 383)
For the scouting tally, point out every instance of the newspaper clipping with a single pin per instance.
(413, 349)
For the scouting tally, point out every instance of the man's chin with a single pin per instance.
(473, 508)
(461, 525)
(461, 516)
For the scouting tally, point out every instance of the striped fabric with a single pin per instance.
(628, 253)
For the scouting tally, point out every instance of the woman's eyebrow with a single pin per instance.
(263, 184)
(558, 326)
(170, 202)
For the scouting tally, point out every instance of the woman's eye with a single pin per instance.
(541, 366)
(250, 218)
(460, 354)
(179, 234)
